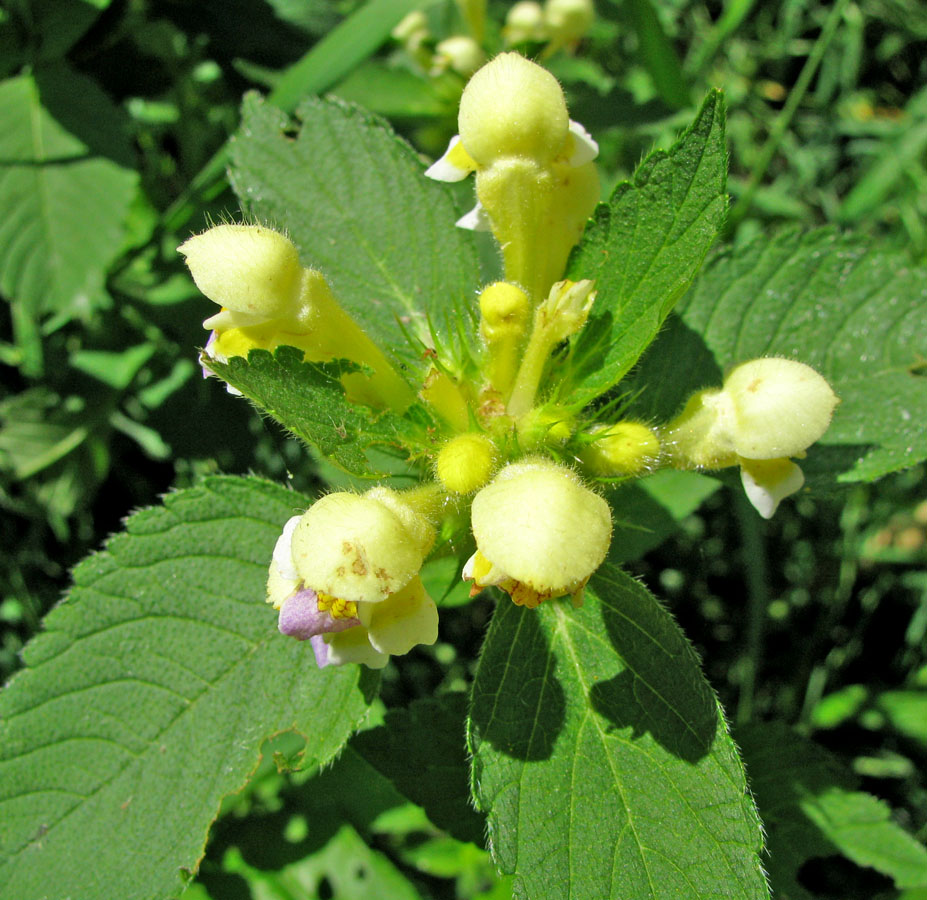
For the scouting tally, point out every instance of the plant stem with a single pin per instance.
(757, 572)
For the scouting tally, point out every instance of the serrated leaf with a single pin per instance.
(422, 750)
(856, 313)
(147, 697)
(63, 156)
(354, 199)
(810, 809)
(309, 400)
(602, 759)
(644, 248)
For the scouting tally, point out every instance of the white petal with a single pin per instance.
(767, 493)
(353, 646)
(406, 618)
(585, 149)
(228, 318)
(475, 220)
(283, 554)
(445, 170)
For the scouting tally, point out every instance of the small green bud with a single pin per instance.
(552, 425)
(504, 315)
(622, 449)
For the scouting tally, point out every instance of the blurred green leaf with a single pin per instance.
(63, 158)
(48, 28)
(148, 695)
(658, 55)
(647, 512)
(906, 147)
(346, 866)
(354, 200)
(400, 93)
(906, 711)
(38, 428)
(112, 368)
(339, 51)
(602, 759)
(810, 809)
(644, 248)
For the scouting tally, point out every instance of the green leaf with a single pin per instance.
(51, 27)
(644, 248)
(854, 312)
(309, 400)
(906, 711)
(345, 868)
(147, 697)
(351, 42)
(63, 156)
(647, 512)
(422, 750)
(354, 199)
(658, 54)
(602, 758)
(400, 93)
(810, 810)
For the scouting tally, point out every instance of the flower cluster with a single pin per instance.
(345, 574)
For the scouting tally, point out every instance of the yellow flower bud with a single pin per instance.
(249, 269)
(504, 314)
(466, 462)
(525, 22)
(540, 533)
(460, 53)
(513, 107)
(504, 311)
(622, 449)
(781, 407)
(568, 20)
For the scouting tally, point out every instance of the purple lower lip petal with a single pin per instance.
(300, 617)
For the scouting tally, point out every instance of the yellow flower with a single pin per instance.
(345, 575)
(269, 300)
(536, 184)
(540, 533)
(767, 411)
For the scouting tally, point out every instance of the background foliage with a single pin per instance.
(114, 121)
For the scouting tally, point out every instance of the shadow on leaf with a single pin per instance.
(517, 704)
(661, 689)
